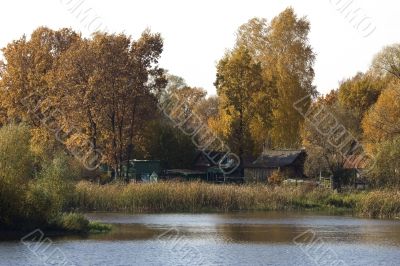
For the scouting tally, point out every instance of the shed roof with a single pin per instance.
(276, 158)
(212, 157)
(185, 172)
(356, 161)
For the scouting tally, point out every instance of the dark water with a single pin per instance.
(218, 239)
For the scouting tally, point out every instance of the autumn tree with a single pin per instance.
(358, 94)
(28, 62)
(282, 49)
(382, 121)
(327, 151)
(111, 85)
(174, 82)
(97, 92)
(387, 61)
(293, 74)
(239, 81)
(26, 93)
(207, 108)
(381, 124)
(386, 169)
(254, 35)
(188, 98)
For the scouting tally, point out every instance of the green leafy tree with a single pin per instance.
(17, 169)
(167, 143)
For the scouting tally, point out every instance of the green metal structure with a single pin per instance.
(142, 170)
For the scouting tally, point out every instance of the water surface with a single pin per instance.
(266, 238)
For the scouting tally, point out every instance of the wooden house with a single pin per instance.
(288, 162)
(354, 167)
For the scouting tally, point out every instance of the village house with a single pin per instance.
(290, 163)
(210, 166)
(354, 167)
(214, 164)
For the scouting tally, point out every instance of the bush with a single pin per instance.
(33, 191)
(74, 222)
(16, 159)
(49, 193)
(386, 170)
(96, 227)
(276, 178)
(16, 166)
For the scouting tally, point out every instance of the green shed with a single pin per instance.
(143, 170)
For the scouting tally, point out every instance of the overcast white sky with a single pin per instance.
(196, 33)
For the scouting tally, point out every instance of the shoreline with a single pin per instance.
(196, 197)
(16, 235)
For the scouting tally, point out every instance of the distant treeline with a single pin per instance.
(96, 98)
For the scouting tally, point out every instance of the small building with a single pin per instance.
(354, 167)
(206, 159)
(185, 174)
(142, 170)
(290, 163)
(218, 166)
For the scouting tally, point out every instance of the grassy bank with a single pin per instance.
(64, 224)
(197, 197)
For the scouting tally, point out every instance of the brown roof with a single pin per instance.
(276, 158)
(355, 162)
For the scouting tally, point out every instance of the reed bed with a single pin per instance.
(201, 197)
(380, 204)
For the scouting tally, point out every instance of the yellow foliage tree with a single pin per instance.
(382, 121)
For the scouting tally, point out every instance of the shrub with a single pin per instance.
(276, 178)
(96, 227)
(16, 168)
(49, 193)
(74, 222)
(380, 204)
(386, 167)
(16, 159)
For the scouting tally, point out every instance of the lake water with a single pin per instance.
(266, 238)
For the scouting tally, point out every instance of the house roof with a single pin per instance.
(356, 162)
(211, 156)
(276, 158)
(185, 172)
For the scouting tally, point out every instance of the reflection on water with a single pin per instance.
(252, 227)
(260, 238)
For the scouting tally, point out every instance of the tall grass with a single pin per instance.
(197, 197)
(193, 197)
(380, 204)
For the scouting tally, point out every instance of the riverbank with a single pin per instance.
(68, 224)
(233, 238)
(203, 197)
